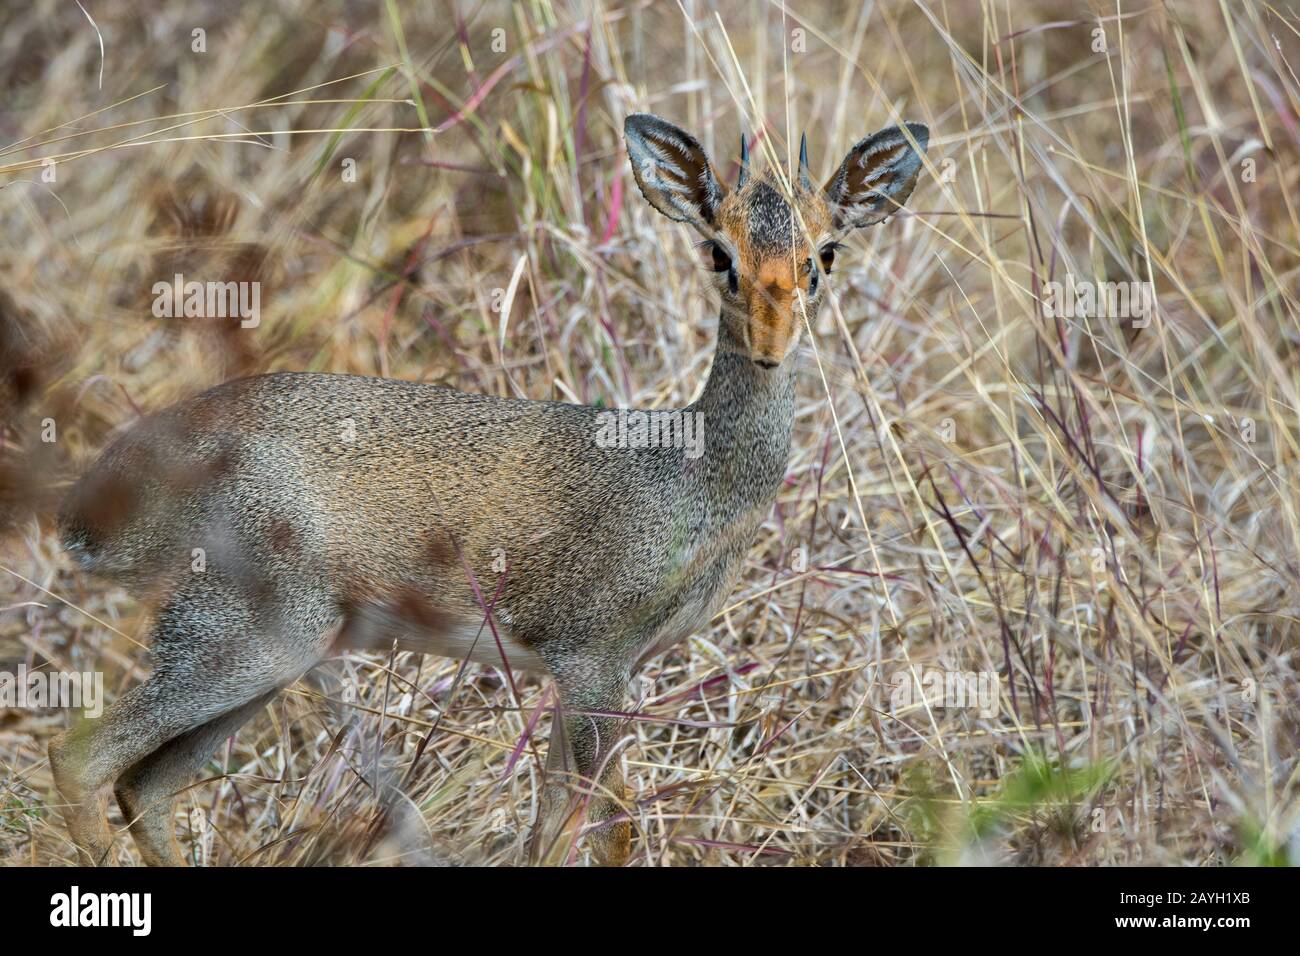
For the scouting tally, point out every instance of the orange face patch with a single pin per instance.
(776, 275)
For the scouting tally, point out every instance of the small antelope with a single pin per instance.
(339, 511)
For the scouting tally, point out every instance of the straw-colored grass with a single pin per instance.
(1104, 515)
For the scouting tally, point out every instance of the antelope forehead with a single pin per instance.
(771, 222)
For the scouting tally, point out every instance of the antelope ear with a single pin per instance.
(877, 176)
(673, 171)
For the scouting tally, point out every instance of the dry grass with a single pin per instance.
(1076, 504)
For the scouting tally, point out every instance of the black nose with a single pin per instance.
(766, 363)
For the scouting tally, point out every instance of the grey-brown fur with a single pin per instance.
(339, 510)
(772, 228)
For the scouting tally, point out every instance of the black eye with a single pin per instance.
(721, 261)
(717, 259)
(827, 254)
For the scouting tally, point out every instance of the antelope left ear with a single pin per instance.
(877, 176)
(672, 170)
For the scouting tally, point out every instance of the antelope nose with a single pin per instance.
(766, 363)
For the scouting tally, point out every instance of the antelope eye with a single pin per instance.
(721, 261)
(828, 258)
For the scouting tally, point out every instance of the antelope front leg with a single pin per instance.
(583, 768)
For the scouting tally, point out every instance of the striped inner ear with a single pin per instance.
(672, 170)
(874, 169)
(877, 175)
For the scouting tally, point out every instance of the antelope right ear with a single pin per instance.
(672, 171)
(877, 175)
